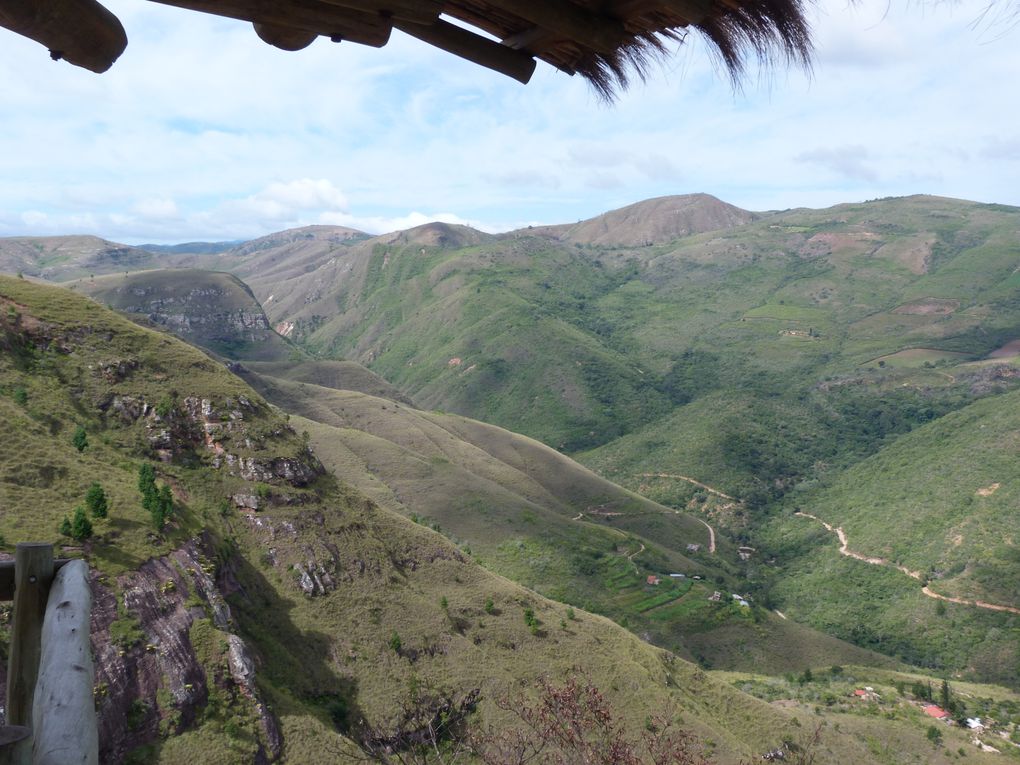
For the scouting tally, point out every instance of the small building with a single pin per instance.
(653, 579)
(861, 693)
(741, 601)
(678, 576)
(715, 597)
(975, 724)
(693, 547)
(934, 710)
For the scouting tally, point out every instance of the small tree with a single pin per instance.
(490, 606)
(81, 526)
(80, 439)
(96, 502)
(395, 643)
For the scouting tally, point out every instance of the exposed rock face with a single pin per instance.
(153, 682)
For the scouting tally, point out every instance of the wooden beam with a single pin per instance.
(416, 11)
(64, 712)
(600, 33)
(15, 745)
(7, 576)
(284, 38)
(82, 32)
(311, 15)
(475, 48)
(32, 576)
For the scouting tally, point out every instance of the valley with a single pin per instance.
(646, 430)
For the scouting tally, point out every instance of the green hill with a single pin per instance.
(309, 588)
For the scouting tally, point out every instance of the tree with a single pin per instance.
(80, 439)
(95, 501)
(159, 501)
(395, 643)
(945, 696)
(935, 736)
(79, 527)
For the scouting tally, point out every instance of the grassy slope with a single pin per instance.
(514, 504)
(306, 647)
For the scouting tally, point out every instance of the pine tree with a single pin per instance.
(80, 439)
(96, 502)
(81, 526)
(65, 527)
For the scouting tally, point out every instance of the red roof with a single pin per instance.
(935, 711)
(653, 579)
(860, 692)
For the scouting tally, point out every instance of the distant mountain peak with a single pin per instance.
(437, 234)
(652, 221)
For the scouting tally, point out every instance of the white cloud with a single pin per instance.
(244, 139)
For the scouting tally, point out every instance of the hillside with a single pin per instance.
(259, 623)
(528, 512)
(309, 587)
(652, 221)
(210, 309)
(753, 359)
(60, 258)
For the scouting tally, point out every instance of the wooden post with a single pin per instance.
(15, 745)
(80, 31)
(32, 577)
(64, 713)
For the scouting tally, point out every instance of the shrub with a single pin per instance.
(80, 525)
(20, 396)
(395, 643)
(96, 502)
(490, 607)
(80, 439)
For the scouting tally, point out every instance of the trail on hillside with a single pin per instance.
(630, 557)
(695, 482)
(844, 550)
(706, 487)
(711, 537)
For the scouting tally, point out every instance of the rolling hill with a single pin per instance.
(278, 606)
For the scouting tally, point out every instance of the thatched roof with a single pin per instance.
(606, 41)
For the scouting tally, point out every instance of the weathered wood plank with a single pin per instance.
(284, 38)
(81, 32)
(475, 48)
(7, 576)
(33, 575)
(15, 745)
(64, 714)
(321, 17)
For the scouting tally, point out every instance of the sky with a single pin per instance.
(202, 132)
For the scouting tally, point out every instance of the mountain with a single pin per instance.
(278, 607)
(60, 258)
(652, 221)
(214, 310)
(757, 360)
(273, 594)
(530, 513)
(190, 248)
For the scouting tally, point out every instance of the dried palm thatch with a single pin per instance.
(606, 41)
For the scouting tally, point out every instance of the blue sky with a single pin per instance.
(201, 131)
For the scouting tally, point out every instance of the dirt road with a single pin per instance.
(845, 550)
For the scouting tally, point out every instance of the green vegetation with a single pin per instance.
(96, 501)
(80, 439)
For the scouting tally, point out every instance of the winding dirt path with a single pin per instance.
(630, 557)
(693, 481)
(711, 537)
(844, 550)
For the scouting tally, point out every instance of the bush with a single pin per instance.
(395, 643)
(96, 502)
(78, 526)
(80, 439)
(490, 607)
